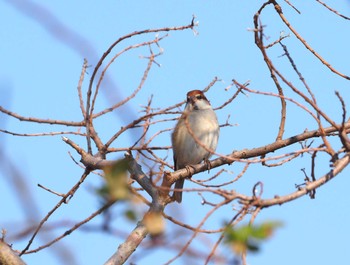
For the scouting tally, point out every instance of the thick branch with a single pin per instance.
(146, 183)
(249, 153)
(94, 162)
(141, 231)
(129, 246)
(8, 256)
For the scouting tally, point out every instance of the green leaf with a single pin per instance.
(249, 237)
(131, 215)
(265, 230)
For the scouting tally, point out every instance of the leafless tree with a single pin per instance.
(145, 174)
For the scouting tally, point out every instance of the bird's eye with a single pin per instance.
(199, 96)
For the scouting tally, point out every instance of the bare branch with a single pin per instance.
(303, 41)
(258, 33)
(88, 120)
(75, 227)
(41, 134)
(278, 200)
(38, 120)
(65, 199)
(333, 10)
(80, 84)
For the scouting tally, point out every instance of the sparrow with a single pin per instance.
(195, 136)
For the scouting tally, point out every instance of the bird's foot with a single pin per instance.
(207, 162)
(188, 169)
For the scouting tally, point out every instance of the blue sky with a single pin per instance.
(42, 52)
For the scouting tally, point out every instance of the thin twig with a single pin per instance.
(303, 41)
(333, 10)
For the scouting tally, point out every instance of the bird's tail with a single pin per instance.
(178, 194)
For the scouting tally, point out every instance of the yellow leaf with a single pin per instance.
(116, 177)
(154, 222)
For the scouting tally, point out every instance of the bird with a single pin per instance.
(195, 136)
